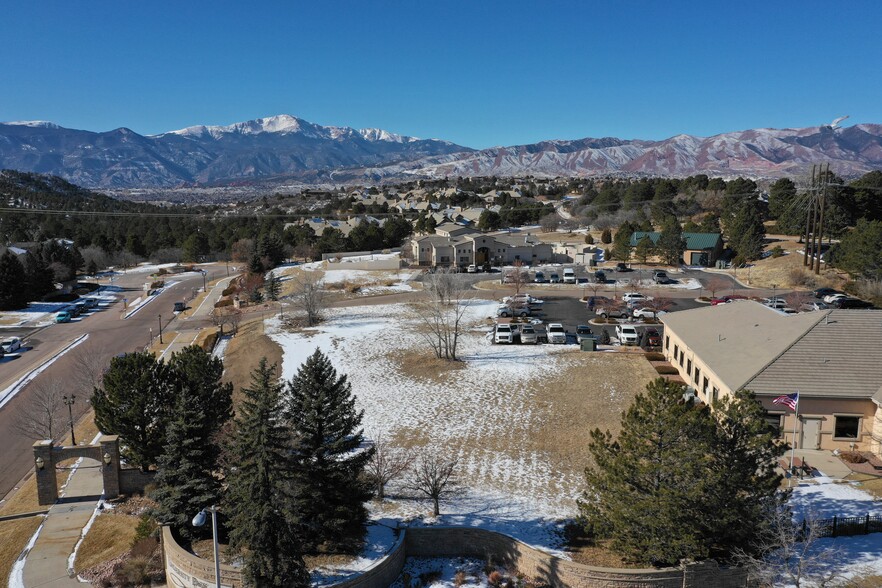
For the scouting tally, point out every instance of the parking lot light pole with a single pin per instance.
(198, 521)
(203, 280)
(69, 400)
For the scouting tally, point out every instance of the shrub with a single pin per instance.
(777, 251)
(133, 572)
(162, 271)
(704, 298)
(223, 302)
(146, 528)
(655, 356)
(801, 278)
(852, 457)
(666, 370)
(157, 284)
(495, 578)
(353, 288)
(229, 291)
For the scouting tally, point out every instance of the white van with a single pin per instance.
(569, 276)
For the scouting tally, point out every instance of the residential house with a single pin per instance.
(470, 248)
(832, 358)
(701, 248)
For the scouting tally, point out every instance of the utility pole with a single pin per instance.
(160, 329)
(809, 215)
(822, 191)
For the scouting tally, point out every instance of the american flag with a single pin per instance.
(788, 400)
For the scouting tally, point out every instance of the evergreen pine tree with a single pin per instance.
(645, 249)
(264, 525)
(13, 294)
(747, 233)
(741, 485)
(622, 242)
(38, 276)
(645, 488)
(671, 243)
(272, 286)
(606, 237)
(92, 268)
(326, 429)
(255, 265)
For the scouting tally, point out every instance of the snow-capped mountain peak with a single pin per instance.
(43, 124)
(381, 135)
(282, 123)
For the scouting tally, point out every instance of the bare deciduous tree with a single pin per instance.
(387, 463)
(435, 477)
(43, 416)
(792, 554)
(441, 312)
(90, 360)
(223, 316)
(309, 296)
(717, 284)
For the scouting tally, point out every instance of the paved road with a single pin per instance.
(109, 335)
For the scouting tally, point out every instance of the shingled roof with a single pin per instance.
(840, 356)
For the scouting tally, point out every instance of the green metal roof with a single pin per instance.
(694, 241)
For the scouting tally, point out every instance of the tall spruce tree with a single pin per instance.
(747, 233)
(264, 523)
(135, 403)
(327, 435)
(186, 479)
(644, 489)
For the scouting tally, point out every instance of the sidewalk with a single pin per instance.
(46, 562)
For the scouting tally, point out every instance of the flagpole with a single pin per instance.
(793, 445)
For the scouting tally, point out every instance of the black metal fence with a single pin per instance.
(847, 526)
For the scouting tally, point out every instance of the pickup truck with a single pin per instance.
(569, 276)
(627, 335)
(660, 277)
(556, 333)
(512, 310)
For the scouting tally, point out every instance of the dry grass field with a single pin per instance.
(14, 536)
(110, 536)
(245, 351)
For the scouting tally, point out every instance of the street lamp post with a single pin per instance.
(69, 400)
(160, 329)
(203, 280)
(198, 521)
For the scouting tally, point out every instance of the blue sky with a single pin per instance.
(476, 73)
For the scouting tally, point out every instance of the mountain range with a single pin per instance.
(285, 148)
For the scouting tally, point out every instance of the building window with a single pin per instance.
(682, 356)
(776, 422)
(697, 375)
(846, 427)
(676, 351)
(445, 259)
(716, 394)
(704, 387)
(689, 367)
(667, 342)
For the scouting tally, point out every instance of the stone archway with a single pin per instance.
(47, 456)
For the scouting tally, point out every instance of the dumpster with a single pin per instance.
(589, 344)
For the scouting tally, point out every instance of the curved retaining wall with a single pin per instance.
(185, 570)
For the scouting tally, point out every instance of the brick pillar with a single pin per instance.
(47, 482)
(110, 446)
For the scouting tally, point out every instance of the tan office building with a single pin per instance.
(833, 358)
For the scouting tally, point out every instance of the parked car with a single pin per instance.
(653, 338)
(569, 275)
(788, 310)
(830, 298)
(81, 307)
(11, 344)
(509, 277)
(726, 299)
(646, 312)
(612, 312)
(522, 298)
(581, 280)
(90, 302)
(63, 317)
(824, 292)
(634, 297)
(471, 269)
(554, 279)
(528, 335)
(777, 303)
(504, 334)
(556, 333)
(660, 277)
(507, 311)
(180, 306)
(627, 335)
(600, 277)
(623, 267)
(540, 278)
(73, 310)
(851, 303)
(584, 332)
(811, 306)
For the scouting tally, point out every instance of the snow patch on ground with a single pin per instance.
(380, 539)
(490, 398)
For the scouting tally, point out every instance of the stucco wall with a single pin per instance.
(185, 570)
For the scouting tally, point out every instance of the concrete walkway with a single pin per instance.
(46, 562)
